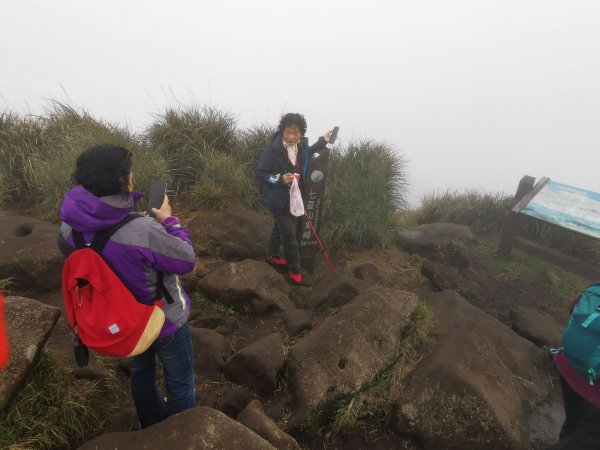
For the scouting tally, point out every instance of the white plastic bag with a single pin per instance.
(296, 203)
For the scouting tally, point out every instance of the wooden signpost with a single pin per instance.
(316, 176)
(567, 207)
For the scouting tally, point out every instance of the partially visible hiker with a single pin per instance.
(581, 392)
(287, 153)
(136, 252)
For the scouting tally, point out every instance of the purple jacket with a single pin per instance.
(136, 251)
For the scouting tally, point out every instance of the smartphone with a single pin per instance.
(156, 197)
(334, 134)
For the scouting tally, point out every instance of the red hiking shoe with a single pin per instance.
(295, 278)
(277, 263)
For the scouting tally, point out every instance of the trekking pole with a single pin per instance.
(321, 246)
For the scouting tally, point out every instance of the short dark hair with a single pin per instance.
(103, 170)
(290, 119)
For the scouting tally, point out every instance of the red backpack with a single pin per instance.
(103, 313)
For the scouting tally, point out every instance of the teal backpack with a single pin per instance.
(581, 338)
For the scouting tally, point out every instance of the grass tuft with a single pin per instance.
(252, 143)
(482, 211)
(22, 146)
(5, 284)
(528, 270)
(366, 186)
(54, 410)
(71, 132)
(201, 301)
(37, 156)
(224, 181)
(186, 136)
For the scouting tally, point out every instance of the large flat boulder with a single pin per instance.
(442, 242)
(28, 325)
(348, 350)
(476, 389)
(29, 253)
(197, 428)
(235, 234)
(249, 285)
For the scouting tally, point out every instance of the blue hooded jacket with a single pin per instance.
(274, 161)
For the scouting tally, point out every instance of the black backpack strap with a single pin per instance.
(78, 239)
(162, 289)
(102, 237)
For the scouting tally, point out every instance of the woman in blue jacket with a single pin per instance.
(287, 153)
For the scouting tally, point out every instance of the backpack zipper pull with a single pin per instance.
(591, 376)
(79, 300)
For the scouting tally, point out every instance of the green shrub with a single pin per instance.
(22, 145)
(481, 211)
(55, 410)
(252, 142)
(184, 137)
(224, 181)
(366, 185)
(71, 132)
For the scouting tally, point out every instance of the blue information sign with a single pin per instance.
(568, 207)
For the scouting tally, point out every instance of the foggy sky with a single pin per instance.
(474, 94)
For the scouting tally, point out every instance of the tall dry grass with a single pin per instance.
(70, 132)
(480, 210)
(38, 153)
(54, 410)
(485, 212)
(22, 146)
(366, 186)
(209, 162)
(187, 137)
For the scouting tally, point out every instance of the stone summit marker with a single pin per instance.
(316, 176)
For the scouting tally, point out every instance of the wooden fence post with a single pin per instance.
(511, 222)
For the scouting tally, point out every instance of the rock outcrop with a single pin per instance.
(249, 285)
(211, 352)
(253, 417)
(477, 388)
(28, 325)
(537, 326)
(348, 350)
(29, 254)
(201, 428)
(333, 290)
(258, 365)
(237, 233)
(442, 242)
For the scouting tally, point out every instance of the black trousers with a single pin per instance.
(283, 235)
(581, 430)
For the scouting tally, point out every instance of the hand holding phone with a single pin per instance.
(334, 134)
(156, 197)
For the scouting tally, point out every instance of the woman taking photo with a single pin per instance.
(137, 252)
